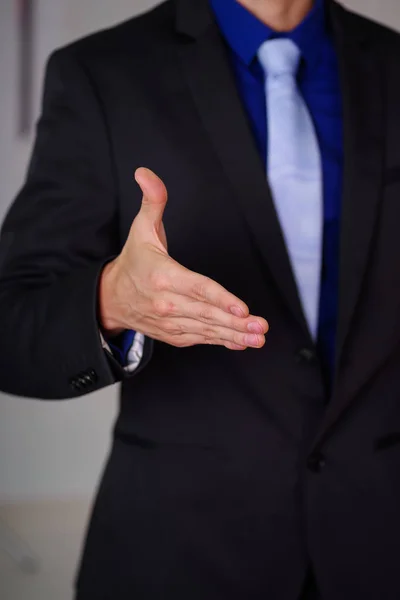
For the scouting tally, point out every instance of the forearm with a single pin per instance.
(50, 338)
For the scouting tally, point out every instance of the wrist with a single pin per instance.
(108, 314)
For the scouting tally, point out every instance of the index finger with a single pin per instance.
(199, 287)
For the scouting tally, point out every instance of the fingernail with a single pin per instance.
(255, 327)
(251, 340)
(237, 311)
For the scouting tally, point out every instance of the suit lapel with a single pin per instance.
(362, 87)
(363, 166)
(207, 71)
(211, 82)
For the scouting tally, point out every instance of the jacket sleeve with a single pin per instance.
(56, 238)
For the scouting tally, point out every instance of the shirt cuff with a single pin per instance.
(128, 350)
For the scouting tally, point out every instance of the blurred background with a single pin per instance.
(48, 469)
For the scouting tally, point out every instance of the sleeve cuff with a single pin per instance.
(127, 349)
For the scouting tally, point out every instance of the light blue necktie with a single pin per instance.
(294, 171)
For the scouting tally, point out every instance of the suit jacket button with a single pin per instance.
(316, 462)
(93, 375)
(75, 384)
(305, 355)
(84, 380)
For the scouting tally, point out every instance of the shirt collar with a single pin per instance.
(245, 33)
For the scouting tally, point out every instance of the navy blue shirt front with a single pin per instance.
(318, 79)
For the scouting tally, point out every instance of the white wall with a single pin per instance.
(57, 449)
(385, 11)
(49, 449)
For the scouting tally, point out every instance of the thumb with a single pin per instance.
(154, 196)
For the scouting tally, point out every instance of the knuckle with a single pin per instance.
(206, 313)
(236, 324)
(175, 328)
(199, 288)
(209, 333)
(238, 339)
(170, 327)
(181, 328)
(162, 308)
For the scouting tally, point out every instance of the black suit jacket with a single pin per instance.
(230, 472)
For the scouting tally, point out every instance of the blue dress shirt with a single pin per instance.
(318, 79)
(121, 344)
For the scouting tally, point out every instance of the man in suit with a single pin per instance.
(243, 466)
